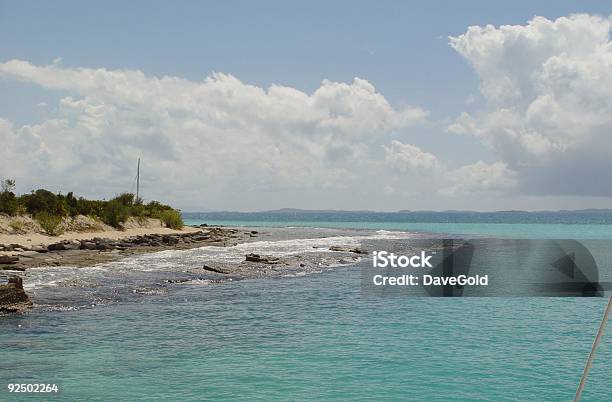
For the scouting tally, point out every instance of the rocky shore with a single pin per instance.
(252, 258)
(96, 250)
(16, 257)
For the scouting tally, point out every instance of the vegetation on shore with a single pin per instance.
(49, 209)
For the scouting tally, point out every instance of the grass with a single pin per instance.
(17, 226)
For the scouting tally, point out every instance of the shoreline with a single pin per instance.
(81, 249)
(253, 262)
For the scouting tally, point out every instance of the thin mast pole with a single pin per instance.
(138, 181)
(589, 362)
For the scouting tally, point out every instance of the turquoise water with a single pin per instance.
(511, 230)
(310, 338)
(314, 337)
(588, 224)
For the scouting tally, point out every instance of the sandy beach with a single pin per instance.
(32, 239)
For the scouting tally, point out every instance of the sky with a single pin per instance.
(248, 106)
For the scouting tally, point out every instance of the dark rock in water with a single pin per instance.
(266, 259)
(13, 299)
(176, 280)
(355, 250)
(8, 259)
(254, 232)
(212, 269)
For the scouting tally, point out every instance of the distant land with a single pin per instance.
(404, 211)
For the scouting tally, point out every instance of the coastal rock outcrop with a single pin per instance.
(213, 269)
(91, 251)
(355, 250)
(266, 259)
(8, 259)
(13, 299)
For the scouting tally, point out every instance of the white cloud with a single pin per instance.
(209, 141)
(410, 158)
(479, 177)
(548, 92)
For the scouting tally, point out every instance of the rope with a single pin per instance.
(589, 362)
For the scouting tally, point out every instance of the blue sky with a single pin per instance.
(401, 48)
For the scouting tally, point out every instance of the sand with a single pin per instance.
(37, 238)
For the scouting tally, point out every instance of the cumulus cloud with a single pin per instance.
(410, 158)
(479, 177)
(547, 87)
(217, 138)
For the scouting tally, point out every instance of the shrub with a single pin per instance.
(45, 201)
(126, 199)
(115, 214)
(155, 209)
(172, 219)
(8, 203)
(51, 224)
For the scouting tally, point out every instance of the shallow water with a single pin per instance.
(309, 338)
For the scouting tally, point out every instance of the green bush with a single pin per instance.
(8, 203)
(52, 207)
(155, 209)
(115, 214)
(51, 224)
(45, 201)
(172, 219)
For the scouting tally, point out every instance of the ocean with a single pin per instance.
(112, 332)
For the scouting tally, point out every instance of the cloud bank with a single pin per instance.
(545, 112)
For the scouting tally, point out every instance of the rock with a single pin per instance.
(254, 232)
(266, 259)
(103, 247)
(13, 298)
(28, 254)
(8, 259)
(87, 245)
(56, 246)
(355, 250)
(39, 248)
(64, 245)
(211, 269)
(168, 239)
(176, 280)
